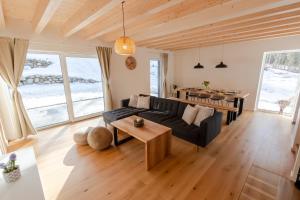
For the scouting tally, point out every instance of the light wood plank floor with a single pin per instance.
(240, 163)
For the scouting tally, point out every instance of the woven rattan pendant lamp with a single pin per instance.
(124, 45)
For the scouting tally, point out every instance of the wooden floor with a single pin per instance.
(250, 159)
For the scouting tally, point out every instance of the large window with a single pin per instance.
(56, 89)
(86, 85)
(42, 89)
(155, 77)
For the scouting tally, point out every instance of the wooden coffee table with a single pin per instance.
(156, 137)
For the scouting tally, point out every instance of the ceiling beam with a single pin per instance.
(247, 20)
(149, 13)
(44, 12)
(198, 45)
(282, 29)
(90, 12)
(226, 11)
(243, 27)
(181, 10)
(222, 40)
(2, 19)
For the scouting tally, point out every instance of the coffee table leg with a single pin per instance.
(157, 149)
(118, 142)
(116, 137)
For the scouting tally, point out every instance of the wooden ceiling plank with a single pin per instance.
(224, 39)
(211, 15)
(181, 10)
(287, 28)
(2, 19)
(44, 12)
(236, 40)
(90, 12)
(227, 22)
(224, 31)
(136, 18)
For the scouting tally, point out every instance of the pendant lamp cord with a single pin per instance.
(123, 18)
(199, 54)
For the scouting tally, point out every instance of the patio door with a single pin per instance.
(280, 82)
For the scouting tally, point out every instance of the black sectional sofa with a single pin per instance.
(169, 113)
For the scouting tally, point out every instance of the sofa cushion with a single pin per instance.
(143, 102)
(165, 105)
(133, 101)
(181, 108)
(189, 114)
(184, 131)
(203, 113)
(120, 113)
(155, 116)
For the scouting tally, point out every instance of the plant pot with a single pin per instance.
(12, 176)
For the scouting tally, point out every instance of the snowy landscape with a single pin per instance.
(278, 84)
(154, 77)
(46, 102)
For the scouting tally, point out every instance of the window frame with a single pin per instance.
(67, 89)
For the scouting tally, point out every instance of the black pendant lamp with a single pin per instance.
(222, 65)
(199, 66)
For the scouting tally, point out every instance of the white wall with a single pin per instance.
(244, 62)
(125, 82)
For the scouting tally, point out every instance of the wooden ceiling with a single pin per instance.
(160, 24)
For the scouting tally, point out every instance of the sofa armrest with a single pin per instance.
(124, 103)
(211, 127)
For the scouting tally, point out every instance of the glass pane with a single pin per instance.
(86, 107)
(280, 82)
(45, 116)
(86, 84)
(41, 87)
(154, 77)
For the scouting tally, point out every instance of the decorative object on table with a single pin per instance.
(11, 171)
(130, 62)
(99, 138)
(124, 45)
(174, 86)
(206, 84)
(217, 97)
(138, 122)
(222, 65)
(199, 66)
(80, 137)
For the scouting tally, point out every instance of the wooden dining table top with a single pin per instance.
(231, 93)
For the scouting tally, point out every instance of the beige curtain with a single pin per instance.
(104, 55)
(12, 57)
(3, 141)
(164, 60)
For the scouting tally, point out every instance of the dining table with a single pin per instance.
(237, 96)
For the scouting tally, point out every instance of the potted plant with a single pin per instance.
(11, 171)
(206, 84)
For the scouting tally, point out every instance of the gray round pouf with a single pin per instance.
(99, 138)
(80, 137)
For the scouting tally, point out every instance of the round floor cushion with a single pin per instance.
(80, 137)
(99, 138)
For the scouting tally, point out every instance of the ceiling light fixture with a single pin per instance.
(222, 65)
(124, 45)
(199, 66)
